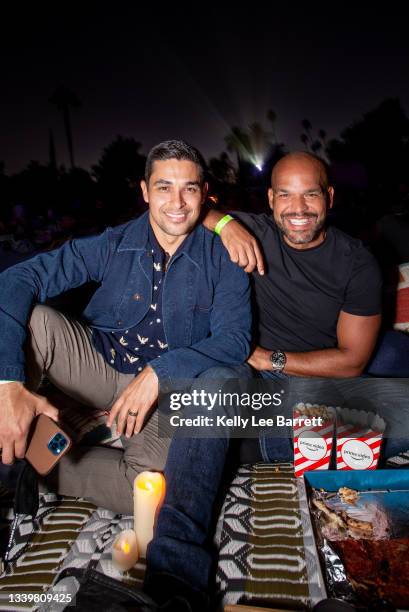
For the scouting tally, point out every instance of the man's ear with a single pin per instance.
(270, 194)
(205, 191)
(144, 188)
(330, 197)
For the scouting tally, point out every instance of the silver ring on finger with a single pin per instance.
(132, 414)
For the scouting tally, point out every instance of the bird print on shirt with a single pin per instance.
(129, 350)
(131, 358)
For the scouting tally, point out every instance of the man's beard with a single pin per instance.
(303, 236)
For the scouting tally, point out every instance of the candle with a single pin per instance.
(149, 492)
(125, 550)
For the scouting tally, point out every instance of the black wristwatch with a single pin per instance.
(278, 360)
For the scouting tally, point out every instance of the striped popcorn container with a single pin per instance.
(314, 426)
(359, 439)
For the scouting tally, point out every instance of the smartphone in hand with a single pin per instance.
(46, 444)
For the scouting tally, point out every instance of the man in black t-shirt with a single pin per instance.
(317, 314)
(317, 295)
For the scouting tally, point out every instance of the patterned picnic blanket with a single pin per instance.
(263, 542)
(264, 538)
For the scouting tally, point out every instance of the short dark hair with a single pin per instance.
(175, 149)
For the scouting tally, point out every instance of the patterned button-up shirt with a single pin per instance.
(129, 351)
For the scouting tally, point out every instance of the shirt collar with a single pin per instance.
(137, 236)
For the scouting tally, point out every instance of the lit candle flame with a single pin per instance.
(148, 485)
(126, 547)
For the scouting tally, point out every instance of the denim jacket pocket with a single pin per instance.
(201, 322)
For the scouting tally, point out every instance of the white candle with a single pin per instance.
(125, 550)
(149, 492)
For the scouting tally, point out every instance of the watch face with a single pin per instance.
(278, 360)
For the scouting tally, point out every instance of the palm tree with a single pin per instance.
(64, 99)
(316, 146)
(306, 136)
(258, 137)
(305, 140)
(237, 141)
(52, 158)
(222, 169)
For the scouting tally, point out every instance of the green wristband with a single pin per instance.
(222, 223)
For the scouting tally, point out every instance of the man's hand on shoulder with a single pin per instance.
(135, 403)
(18, 407)
(241, 245)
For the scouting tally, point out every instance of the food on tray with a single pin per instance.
(348, 496)
(363, 539)
(377, 569)
(332, 517)
(348, 525)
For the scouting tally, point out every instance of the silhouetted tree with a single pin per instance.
(306, 137)
(221, 169)
(256, 149)
(36, 186)
(52, 157)
(237, 141)
(222, 178)
(272, 118)
(314, 144)
(64, 100)
(305, 140)
(121, 161)
(118, 173)
(378, 142)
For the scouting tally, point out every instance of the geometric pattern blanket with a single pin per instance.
(266, 549)
(267, 553)
(264, 537)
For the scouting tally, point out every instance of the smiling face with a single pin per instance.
(175, 195)
(300, 198)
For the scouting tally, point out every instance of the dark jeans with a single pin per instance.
(194, 473)
(181, 544)
(273, 448)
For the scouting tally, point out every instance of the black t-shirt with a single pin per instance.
(299, 298)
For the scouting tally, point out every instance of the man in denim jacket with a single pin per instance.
(170, 304)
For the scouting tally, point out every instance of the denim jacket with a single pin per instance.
(206, 298)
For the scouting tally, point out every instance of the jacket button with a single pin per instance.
(119, 322)
(137, 297)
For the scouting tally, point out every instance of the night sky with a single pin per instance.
(154, 74)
